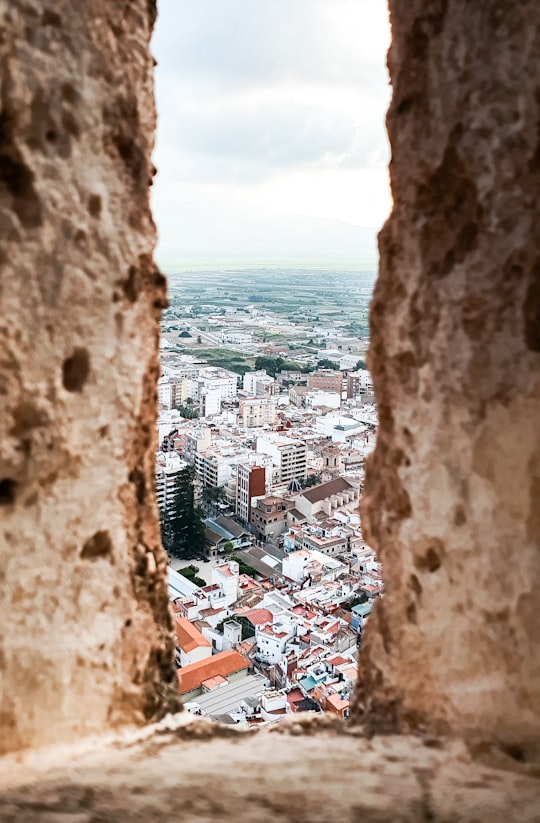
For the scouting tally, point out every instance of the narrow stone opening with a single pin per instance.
(216, 65)
(452, 492)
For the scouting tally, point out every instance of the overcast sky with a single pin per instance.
(271, 146)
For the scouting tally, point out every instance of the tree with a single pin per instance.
(311, 480)
(212, 495)
(358, 600)
(184, 334)
(191, 573)
(361, 364)
(271, 365)
(183, 531)
(228, 547)
(187, 411)
(327, 364)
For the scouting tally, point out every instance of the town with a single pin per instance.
(259, 473)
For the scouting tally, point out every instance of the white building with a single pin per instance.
(225, 575)
(256, 382)
(288, 454)
(239, 338)
(301, 565)
(257, 411)
(272, 639)
(190, 643)
(339, 427)
(168, 467)
(318, 398)
(220, 379)
(210, 401)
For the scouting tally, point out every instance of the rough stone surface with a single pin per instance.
(453, 490)
(303, 773)
(85, 639)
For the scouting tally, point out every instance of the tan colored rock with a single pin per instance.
(453, 490)
(85, 639)
(304, 771)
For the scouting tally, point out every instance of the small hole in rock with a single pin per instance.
(411, 613)
(94, 205)
(515, 752)
(98, 546)
(75, 370)
(8, 488)
(415, 585)
(430, 561)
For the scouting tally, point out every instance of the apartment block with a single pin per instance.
(258, 383)
(325, 380)
(250, 483)
(226, 382)
(172, 392)
(257, 411)
(168, 467)
(198, 440)
(359, 383)
(289, 456)
(269, 516)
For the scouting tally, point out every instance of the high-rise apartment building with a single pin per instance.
(288, 454)
(168, 467)
(250, 483)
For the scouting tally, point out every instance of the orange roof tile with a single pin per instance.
(214, 682)
(223, 663)
(338, 660)
(188, 637)
(259, 617)
(336, 702)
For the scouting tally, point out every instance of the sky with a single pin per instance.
(271, 147)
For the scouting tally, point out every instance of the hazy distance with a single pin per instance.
(271, 147)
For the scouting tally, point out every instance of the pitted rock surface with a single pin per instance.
(452, 502)
(85, 633)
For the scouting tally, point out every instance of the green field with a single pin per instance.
(298, 296)
(225, 359)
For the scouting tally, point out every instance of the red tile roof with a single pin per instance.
(259, 617)
(188, 637)
(338, 660)
(224, 664)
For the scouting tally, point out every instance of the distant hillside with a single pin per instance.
(238, 237)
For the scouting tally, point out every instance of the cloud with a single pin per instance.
(271, 103)
(253, 139)
(249, 42)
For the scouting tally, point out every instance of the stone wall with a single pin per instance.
(85, 639)
(453, 490)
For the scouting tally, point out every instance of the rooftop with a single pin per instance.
(325, 490)
(223, 663)
(188, 636)
(258, 617)
(228, 697)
